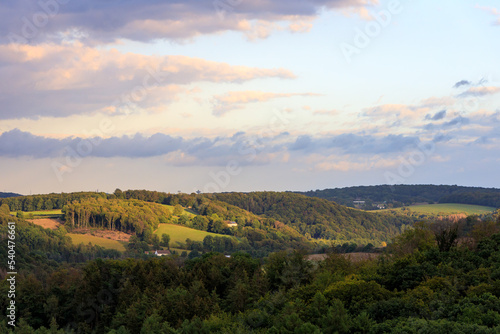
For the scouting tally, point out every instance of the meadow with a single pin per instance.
(451, 208)
(103, 242)
(181, 233)
(41, 214)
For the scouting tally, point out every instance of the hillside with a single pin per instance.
(319, 218)
(5, 195)
(399, 195)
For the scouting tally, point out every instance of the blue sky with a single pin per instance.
(260, 95)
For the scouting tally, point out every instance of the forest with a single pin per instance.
(319, 218)
(399, 195)
(425, 282)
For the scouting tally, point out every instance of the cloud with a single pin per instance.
(492, 10)
(324, 112)
(238, 100)
(462, 83)
(437, 116)
(203, 150)
(62, 80)
(148, 20)
(347, 164)
(480, 91)
(457, 121)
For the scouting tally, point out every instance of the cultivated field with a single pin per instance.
(103, 242)
(181, 233)
(451, 208)
(50, 223)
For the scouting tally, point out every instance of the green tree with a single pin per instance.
(178, 210)
(165, 240)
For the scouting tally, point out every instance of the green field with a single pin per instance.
(186, 211)
(41, 214)
(451, 208)
(103, 242)
(181, 233)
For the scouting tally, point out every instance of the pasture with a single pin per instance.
(181, 233)
(103, 242)
(41, 214)
(450, 209)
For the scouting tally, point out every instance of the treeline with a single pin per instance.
(420, 287)
(398, 195)
(114, 214)
(318, 218)
(48, 201)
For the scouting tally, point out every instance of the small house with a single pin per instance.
(232, 224)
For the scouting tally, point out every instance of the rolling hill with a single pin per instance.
(400, 195)
(5, 195)
(319, 218)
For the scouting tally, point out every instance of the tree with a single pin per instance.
(178, 209)
(165, 240)
(446, 233)
(155, 241)
(5, 209)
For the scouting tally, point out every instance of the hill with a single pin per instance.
(401, 195)
(320, 218)
(5, 195)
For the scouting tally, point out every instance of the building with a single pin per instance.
(159, 252)
(232, 224)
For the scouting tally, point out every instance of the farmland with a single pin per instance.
(181, 233)
(451, 208)
(103, 242)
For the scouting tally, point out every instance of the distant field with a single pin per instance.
(181, 233)
(103, 242)
(41, 214)
(450, 208)
(186, 211)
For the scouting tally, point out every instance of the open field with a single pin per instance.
(41, 214)
(451, 208)
(188, 212)
(50, 223)
(104, 233)
(103, 242)
(181, 233)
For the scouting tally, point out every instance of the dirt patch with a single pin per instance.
(50, 223)
(353, 257)
(108, 234)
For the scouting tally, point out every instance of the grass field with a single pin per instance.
(103, 242)
(41, 214)
(181, 233)
(451, 208)
(186, 211)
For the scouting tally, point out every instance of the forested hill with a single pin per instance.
(318, 218)
(409, 194)
(4, 195)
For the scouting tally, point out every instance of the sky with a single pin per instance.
(239, 95)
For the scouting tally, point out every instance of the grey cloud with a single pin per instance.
(301, 143)
(146, 20)
(437, 116)
(440, 137)
(457, 121)
(16, 143)
(462, 83)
